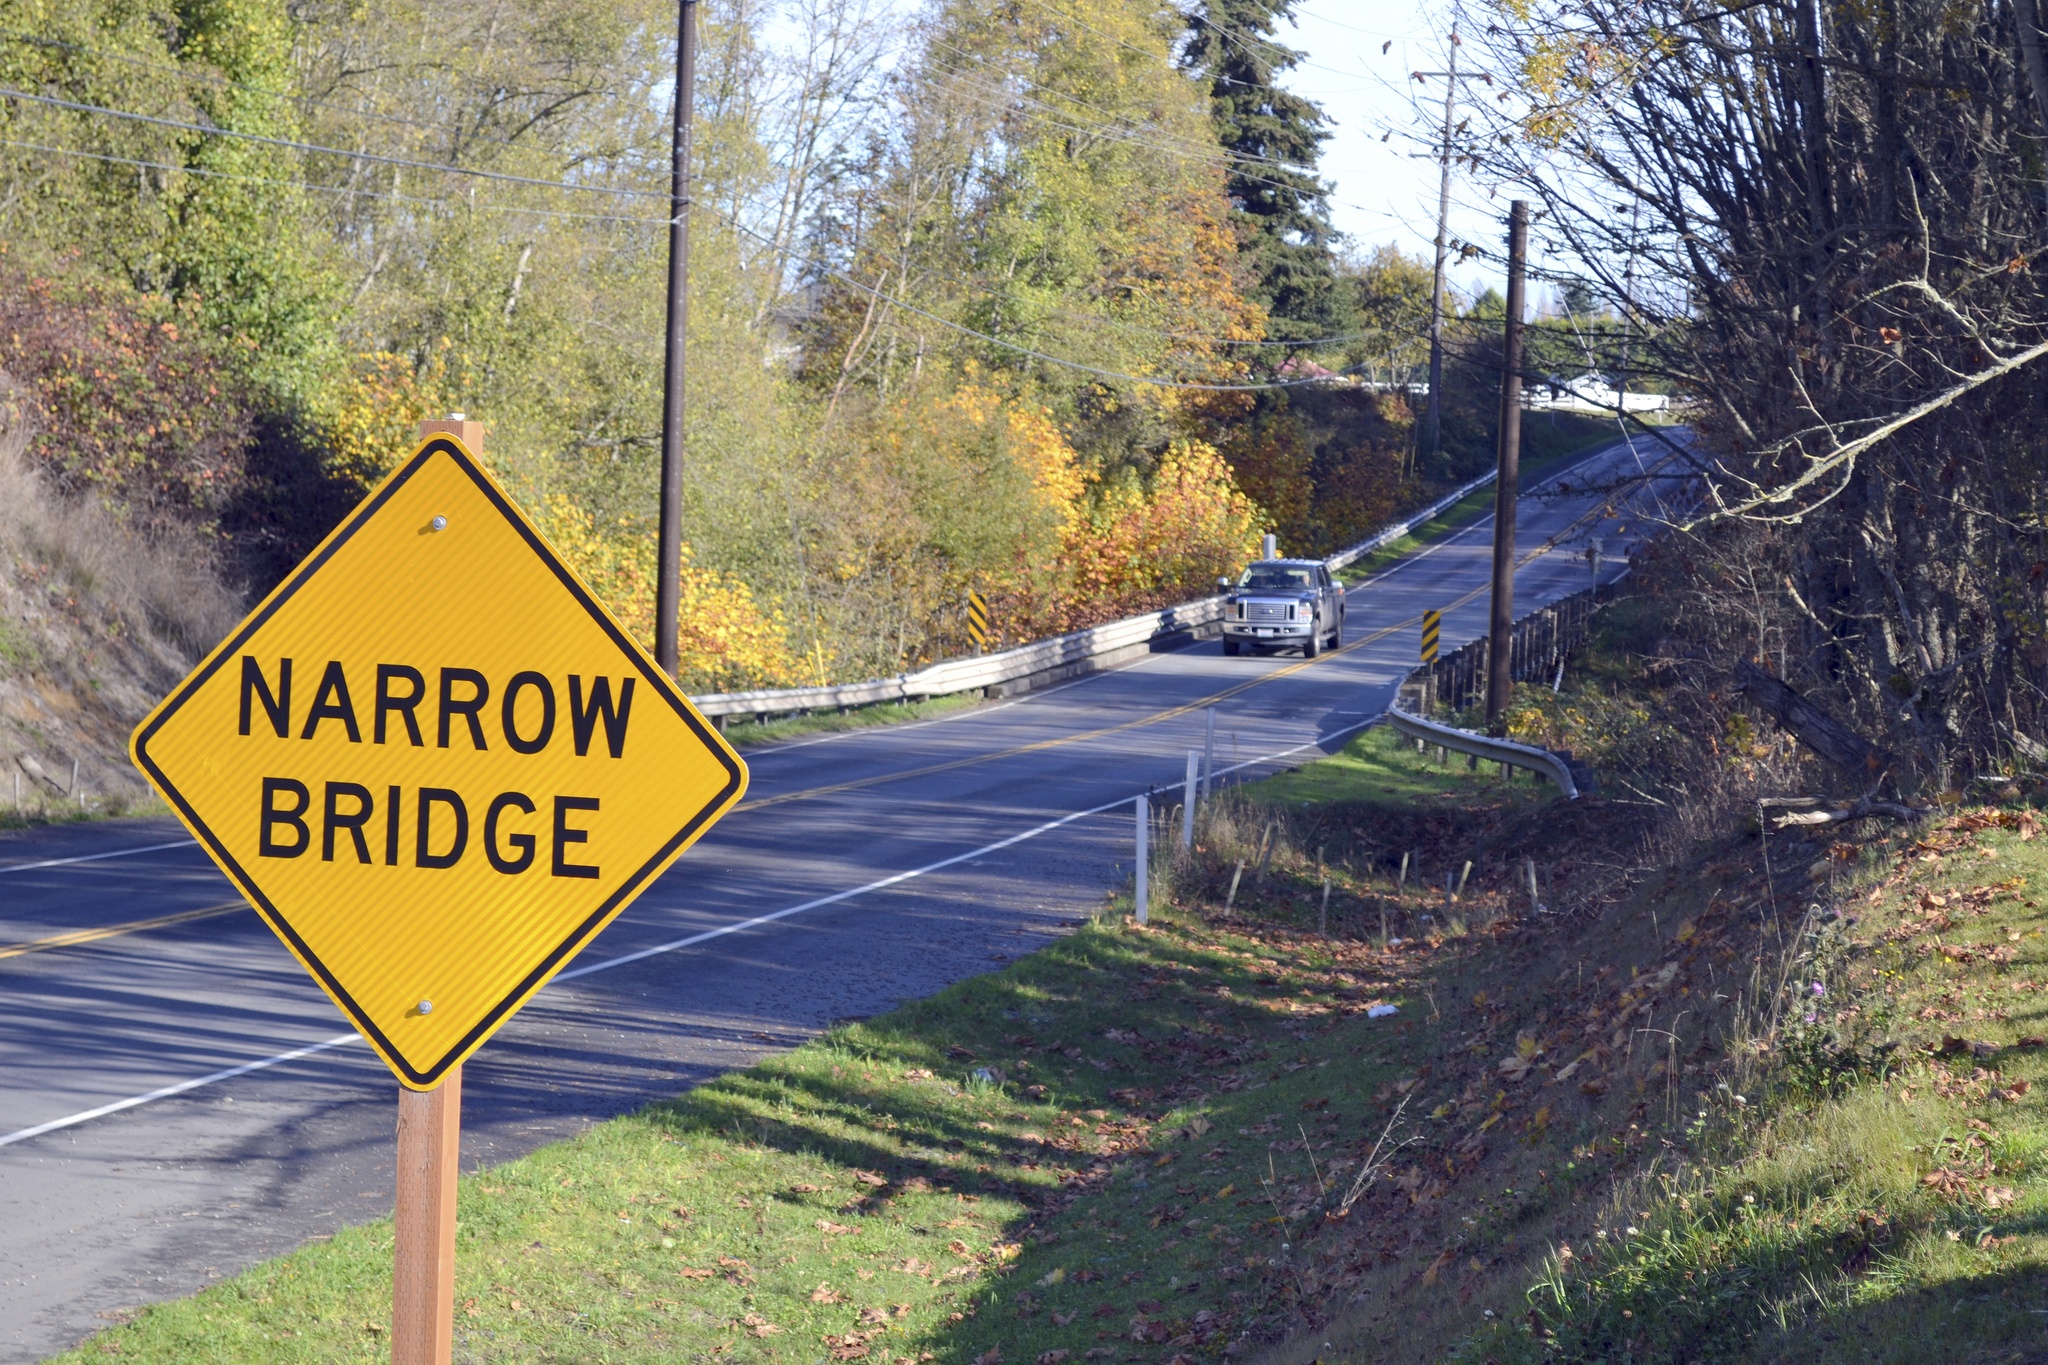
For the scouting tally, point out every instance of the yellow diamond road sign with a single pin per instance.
(435, 764)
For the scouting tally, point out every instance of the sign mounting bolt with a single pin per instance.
(426, 1007)
(439, 523)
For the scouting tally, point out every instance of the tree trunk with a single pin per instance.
(1813, 727)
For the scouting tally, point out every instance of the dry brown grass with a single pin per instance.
(97, 620)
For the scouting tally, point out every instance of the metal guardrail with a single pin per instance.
(1485, 746)
(1539, 643)
(1072, 651)
(1387, 535)
(974, 672)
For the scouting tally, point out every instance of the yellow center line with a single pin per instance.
(73, 939)
(1170, 713)
(1039, 746)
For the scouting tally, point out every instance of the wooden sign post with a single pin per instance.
(429, 1160)
(438, 767)
(423, 1271)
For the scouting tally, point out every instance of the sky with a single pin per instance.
(1387, 191)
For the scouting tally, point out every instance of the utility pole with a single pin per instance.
(1433, 414)
(1506, 488)
(668, 586)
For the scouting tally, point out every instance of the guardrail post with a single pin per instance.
(1141, 897)
(1187, 801)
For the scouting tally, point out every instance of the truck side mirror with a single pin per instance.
(1223, 585)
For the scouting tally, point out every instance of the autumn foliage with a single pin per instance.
(125, 396)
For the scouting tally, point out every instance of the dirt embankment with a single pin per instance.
(97, 621)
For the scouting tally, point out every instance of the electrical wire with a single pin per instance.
(399, 198)
(341, 190)
(503, 177)
(1210, 148)
(293, 144)
(1027, 351)
(223, 83)
(822, 266)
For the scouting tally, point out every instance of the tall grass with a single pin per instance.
(163, 586)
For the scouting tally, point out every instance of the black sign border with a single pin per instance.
(633, 885)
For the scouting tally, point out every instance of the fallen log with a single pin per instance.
(1810, 725)
(1815, 810)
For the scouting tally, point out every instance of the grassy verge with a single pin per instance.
(1106, 1150)
(1741, 1108)
(60, 812)
(750, 734)
(1559, 449)
(1881, 1194)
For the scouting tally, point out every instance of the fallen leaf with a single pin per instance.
(825, 1293)
(871, 1178)
(803, 1189)
(992, 1356)
(835, 1229)
(692, 1273)
(759, 1325)
(1054, 1357)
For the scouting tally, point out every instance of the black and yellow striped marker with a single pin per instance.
(977, 620)
(1431, 621)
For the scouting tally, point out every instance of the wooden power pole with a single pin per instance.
(1433, 413)
(668, 585)
(1499, 684)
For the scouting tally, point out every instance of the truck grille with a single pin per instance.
(1268, 611)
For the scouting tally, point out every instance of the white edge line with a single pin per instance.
(1485, 519)
(964, 713)
(95, 857)
(339, 1040)
(741, 926)
(969, 713)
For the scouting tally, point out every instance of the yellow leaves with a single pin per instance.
(729, 639)
(370, 415)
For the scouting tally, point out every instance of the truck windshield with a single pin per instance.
(1274, 576)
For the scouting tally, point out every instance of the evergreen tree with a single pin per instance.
(1274, 137)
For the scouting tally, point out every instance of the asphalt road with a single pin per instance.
(863, 869)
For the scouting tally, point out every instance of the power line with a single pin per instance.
(738, 226)
(832, 271)
(317, 188)
(1012, 346)
(343, 190)
(557, 213)
(1206, 147)
(222, 82)
(292, 144)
